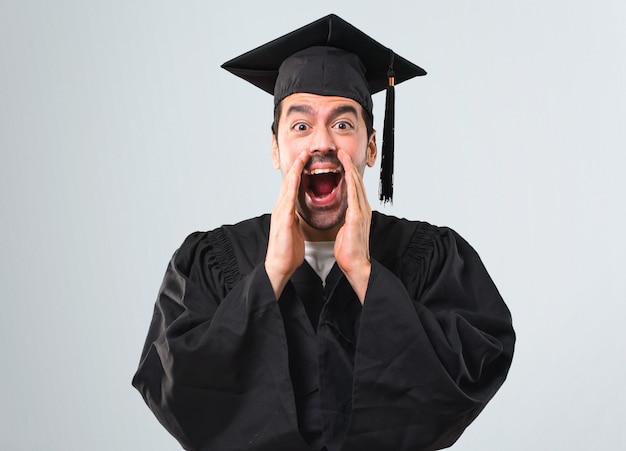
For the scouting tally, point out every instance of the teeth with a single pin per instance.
(321, 171)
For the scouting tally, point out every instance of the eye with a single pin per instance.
(300, 126)
(343, 125)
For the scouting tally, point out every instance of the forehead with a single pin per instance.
(317, 104)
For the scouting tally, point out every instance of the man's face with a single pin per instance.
(322, 125)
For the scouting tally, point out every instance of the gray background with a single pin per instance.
(120, 134)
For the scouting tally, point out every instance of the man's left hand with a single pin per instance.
(352, 242)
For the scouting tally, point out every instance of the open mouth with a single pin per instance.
(321, 183)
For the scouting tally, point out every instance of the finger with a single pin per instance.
(357, 197)
(299, 163)
(294, 176)
(348, 171)
(291, 183)
(361, 193)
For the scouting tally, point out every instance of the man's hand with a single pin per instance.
(352, 243)
(285, 248)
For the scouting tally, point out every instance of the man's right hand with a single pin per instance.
(285, 248)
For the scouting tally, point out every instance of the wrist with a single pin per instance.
(278, 279)
(359, 280)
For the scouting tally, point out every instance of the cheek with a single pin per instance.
(362, 156)
(286, 153)
(285, 162)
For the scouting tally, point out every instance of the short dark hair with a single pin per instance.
(367, 117)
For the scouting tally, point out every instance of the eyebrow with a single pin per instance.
(345, 109)
(299, 109)
(306, 109)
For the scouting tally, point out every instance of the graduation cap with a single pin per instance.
(330, 57)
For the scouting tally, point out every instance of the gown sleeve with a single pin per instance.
(435, 343)
(214, 368)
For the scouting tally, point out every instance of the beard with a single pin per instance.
(322, 218)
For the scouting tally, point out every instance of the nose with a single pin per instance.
(322, 141)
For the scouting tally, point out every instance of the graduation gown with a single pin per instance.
(226, 367)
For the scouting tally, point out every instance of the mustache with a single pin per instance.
(323, 159)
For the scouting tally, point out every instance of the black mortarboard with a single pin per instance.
(331, 57)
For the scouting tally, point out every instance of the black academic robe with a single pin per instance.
(226, 367)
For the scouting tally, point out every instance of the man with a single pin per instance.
(324, 326)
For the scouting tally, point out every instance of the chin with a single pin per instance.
(323, 219)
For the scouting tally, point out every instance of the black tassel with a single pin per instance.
(385, 192)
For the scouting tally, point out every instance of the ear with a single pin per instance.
(275, 152)
(372, 150)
